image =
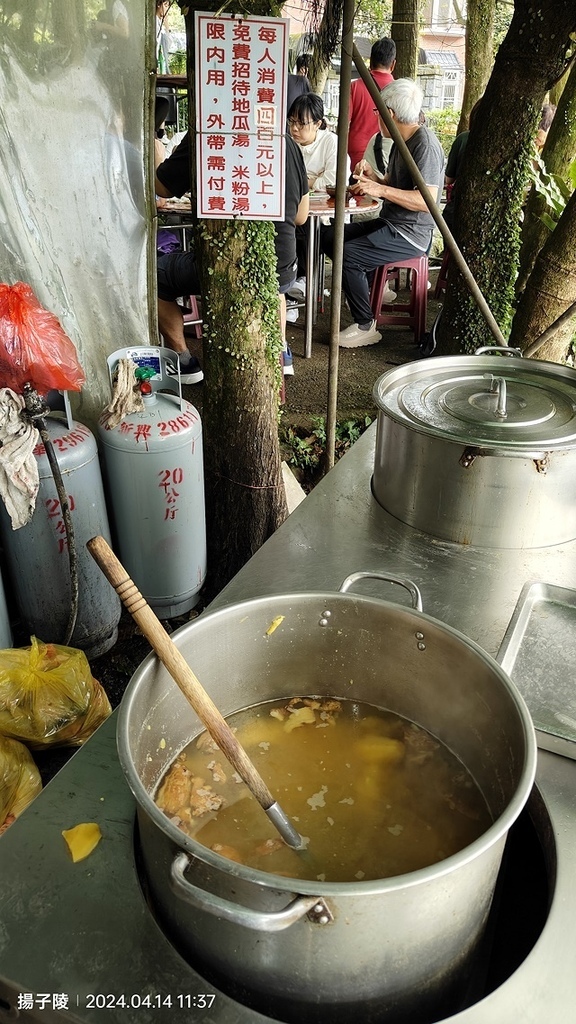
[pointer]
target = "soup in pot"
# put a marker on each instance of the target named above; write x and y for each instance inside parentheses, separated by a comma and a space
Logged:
(374, 794)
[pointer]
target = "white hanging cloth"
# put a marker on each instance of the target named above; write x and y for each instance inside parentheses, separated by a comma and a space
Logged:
(19, 478)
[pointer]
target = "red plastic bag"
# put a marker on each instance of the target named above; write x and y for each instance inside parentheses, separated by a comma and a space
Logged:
(33, 347)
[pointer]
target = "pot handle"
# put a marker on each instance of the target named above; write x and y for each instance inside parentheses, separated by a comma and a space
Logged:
(407, 584)
(502, 350)
(261, 921)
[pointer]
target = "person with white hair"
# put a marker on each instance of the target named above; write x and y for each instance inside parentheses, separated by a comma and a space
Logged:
(403, 229)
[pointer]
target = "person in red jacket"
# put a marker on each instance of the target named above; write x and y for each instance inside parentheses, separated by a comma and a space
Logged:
(363, 122)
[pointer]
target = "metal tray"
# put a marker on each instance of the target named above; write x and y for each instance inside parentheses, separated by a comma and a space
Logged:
(539, 654)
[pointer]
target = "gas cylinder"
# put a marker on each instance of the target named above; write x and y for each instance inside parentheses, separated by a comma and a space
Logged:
(153, 468)
(37, 554)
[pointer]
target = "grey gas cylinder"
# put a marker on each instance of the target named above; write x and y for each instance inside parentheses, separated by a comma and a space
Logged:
(153, 468)
(37, 554)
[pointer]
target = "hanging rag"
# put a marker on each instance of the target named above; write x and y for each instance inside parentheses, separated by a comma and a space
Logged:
(19, 478)
(126, 398)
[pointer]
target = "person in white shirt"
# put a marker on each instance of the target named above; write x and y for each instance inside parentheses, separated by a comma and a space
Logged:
(319, 147)
(112, 22)
(162, 36)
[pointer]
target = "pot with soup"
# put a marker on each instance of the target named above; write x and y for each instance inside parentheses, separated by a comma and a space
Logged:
(402, 753)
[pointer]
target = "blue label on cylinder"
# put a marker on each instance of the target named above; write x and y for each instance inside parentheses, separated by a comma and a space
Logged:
(145, 360)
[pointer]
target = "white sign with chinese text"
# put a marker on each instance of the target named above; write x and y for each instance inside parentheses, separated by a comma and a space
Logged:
(241, 83)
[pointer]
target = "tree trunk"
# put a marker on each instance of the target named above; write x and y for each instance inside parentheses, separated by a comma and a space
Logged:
(479, 55)
(245, 496)
(557, 89)
(494, 175)
(245, 499)
(404, 32)
(324, 22)
(551, 288)
(558, 152)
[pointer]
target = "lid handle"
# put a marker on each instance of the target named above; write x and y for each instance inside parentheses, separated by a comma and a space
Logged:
(500, 349)
(498, 386)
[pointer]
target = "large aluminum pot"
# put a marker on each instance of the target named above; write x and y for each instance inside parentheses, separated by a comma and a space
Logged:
(479, 449)
(389, 950)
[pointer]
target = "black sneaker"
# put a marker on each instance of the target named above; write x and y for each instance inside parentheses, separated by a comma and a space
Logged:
(190, 373)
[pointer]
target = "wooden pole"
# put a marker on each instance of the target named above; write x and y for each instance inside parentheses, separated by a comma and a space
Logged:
(431, 203)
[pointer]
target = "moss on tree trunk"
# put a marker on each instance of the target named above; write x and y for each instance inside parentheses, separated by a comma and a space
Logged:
(551, 288)
(494, 176)
(559, 151)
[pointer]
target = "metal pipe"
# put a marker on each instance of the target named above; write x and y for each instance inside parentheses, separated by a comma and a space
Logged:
(36, 409)
(338, 251)
(549, 333)
(447, 235)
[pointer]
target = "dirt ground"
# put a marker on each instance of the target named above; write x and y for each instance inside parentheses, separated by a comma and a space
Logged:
(358, 369)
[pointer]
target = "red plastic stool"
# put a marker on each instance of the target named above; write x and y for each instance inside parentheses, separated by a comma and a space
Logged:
(408, 314)
(192, 316)
(442, 279)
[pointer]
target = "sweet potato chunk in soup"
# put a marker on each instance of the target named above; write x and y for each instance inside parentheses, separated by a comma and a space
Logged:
(375, 794)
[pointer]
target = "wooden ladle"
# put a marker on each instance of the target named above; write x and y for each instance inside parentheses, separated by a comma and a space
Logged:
(191, 687)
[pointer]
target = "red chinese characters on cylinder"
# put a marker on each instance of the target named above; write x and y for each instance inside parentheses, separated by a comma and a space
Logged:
(171, 481)
(38, 553)
(155, 480)
(54, 513)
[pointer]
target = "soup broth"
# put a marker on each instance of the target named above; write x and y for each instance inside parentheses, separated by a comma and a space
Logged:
(375, 794)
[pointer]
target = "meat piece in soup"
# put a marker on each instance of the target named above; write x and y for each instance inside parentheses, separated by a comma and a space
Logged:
(375, 794)
(185, 795)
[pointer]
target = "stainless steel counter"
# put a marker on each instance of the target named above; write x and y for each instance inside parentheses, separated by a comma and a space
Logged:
(80, 929)
(340, 528)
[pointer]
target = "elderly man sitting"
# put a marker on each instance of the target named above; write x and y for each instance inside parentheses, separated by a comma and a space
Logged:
(403, 229)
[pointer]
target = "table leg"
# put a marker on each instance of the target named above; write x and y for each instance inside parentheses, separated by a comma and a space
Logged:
(310, 285)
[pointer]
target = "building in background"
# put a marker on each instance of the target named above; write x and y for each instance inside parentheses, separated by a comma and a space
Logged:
(442, 54)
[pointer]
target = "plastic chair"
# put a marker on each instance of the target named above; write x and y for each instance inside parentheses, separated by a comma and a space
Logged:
(408, 314)
(192, 316)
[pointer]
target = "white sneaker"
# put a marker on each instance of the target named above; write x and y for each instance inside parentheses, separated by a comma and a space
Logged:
(353, 337)
(287, 363)
(298, 289)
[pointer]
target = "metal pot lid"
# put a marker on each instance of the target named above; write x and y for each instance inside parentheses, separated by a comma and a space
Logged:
(487, 401)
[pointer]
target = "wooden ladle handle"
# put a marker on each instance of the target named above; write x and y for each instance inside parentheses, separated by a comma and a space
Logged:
(179, 669)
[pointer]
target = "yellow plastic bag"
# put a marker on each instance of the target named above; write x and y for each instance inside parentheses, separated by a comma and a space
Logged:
(48, 696)
(19, 780)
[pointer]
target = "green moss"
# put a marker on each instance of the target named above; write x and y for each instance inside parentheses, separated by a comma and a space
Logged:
(242, 291)
(492, 254)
